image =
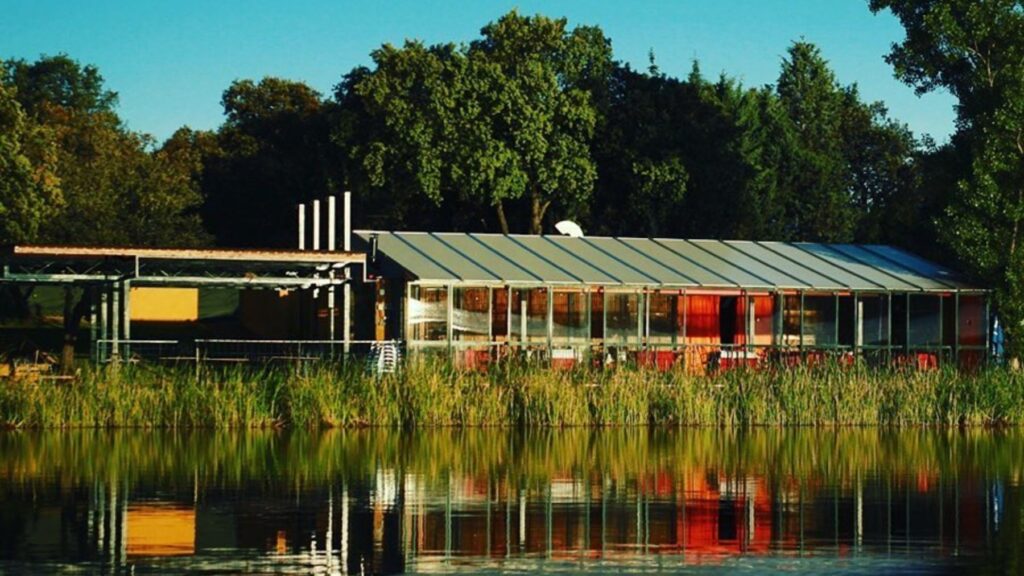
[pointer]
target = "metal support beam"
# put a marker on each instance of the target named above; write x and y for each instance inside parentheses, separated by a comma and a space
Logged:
(115, 319)
(126, 315)
(346, 300)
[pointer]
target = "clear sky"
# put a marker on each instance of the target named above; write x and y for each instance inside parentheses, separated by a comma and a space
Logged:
(170, 61)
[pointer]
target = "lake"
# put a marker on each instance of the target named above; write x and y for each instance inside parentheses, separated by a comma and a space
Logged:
(616, 500)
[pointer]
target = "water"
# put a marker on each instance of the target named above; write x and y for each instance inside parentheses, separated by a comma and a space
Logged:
(604, 501)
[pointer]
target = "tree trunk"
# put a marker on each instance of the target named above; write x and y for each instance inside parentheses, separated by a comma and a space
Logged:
(502, 221)
(537, 210)
(73, 314)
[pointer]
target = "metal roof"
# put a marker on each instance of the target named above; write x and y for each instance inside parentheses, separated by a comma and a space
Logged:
(173, 266)
(660, 262)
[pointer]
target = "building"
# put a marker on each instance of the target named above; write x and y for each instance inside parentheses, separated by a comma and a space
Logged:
(697, 304)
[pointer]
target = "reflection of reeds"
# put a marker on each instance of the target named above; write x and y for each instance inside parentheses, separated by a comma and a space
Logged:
(297, 459)
(432, 393)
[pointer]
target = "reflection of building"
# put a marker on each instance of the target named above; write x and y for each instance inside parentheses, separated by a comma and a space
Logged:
(390, 520)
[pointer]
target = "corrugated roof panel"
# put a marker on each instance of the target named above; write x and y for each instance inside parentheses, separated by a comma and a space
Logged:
(715, 264)
(644, 258)
(854, 266)
(535, 263)
(465, 268)
(740, 258)
(597, 254)
(847, 279)
(412, 259)
(808, 275)
(566, 260)
(490, 258)
(919, 265)
(477, 249)
(890, 268)
(683, 268)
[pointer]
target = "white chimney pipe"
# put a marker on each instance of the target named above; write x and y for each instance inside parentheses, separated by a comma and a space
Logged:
(302, 226)
(331, 224)
(316, 225)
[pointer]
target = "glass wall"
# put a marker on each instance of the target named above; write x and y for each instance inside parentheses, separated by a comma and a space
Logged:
(428, 313)
(666, 321)
(529, 315)
(622, 318)
(925, 329)
(471, 314)
(569, 317)
(874, 320)
(791, 321)
(819, 320)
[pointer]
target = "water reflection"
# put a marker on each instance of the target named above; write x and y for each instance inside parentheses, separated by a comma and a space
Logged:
(380, 501)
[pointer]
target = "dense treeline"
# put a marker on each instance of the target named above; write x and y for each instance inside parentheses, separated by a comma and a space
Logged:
(534, 122)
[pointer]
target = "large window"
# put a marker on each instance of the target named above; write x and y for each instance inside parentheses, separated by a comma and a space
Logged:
(820, 316)
(428, 313)
(470, 314)
(666, 322)
(622, 318)
(529, 317)
(925, 320)
(569, 315)
(874, 320)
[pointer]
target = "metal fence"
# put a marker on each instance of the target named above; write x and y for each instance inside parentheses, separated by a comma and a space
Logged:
(386, 355)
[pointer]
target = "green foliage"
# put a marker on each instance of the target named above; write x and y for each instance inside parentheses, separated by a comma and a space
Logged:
(976, 51)
(272, 152)
(95, 181)
(29, 187)
(504, 119)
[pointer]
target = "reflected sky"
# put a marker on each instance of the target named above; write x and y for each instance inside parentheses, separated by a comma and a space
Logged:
(634, 500)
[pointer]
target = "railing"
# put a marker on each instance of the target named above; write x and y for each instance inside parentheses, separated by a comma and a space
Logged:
(693, 357)
(238, 350)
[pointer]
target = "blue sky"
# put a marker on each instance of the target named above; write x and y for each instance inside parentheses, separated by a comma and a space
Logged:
(171, 61)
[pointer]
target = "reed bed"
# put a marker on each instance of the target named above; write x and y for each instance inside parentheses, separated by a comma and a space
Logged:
(434, 393)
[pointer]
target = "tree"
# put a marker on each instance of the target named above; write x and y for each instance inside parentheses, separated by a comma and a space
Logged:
(976, 51)
(818, 203)
(58, 81)
(29, 186)
(507, 118)
(271, 153)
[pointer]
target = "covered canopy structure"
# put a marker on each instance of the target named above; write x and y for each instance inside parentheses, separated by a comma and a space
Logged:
(698, 303)
(107, 276)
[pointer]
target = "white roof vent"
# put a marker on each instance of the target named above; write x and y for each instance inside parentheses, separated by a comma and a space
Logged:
(569, 228)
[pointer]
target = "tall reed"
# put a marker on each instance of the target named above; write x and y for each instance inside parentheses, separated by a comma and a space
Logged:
(429, 393)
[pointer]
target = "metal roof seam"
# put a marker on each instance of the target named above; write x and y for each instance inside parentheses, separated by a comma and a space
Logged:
(651, 258)
(514, 240)
(767, 282)
(802, 284)
(621, 261)
(839, 283)
(399, 237)
(796, 245)
(833, 248)
(728, 263)
(869, 248)
(490, 249)
(494, 275)
(577, 257)
(695, 263)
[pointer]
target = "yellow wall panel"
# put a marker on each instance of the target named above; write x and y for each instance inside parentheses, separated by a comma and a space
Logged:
(165, 304)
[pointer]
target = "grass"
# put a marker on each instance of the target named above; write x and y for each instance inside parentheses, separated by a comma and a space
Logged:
(433, 394)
